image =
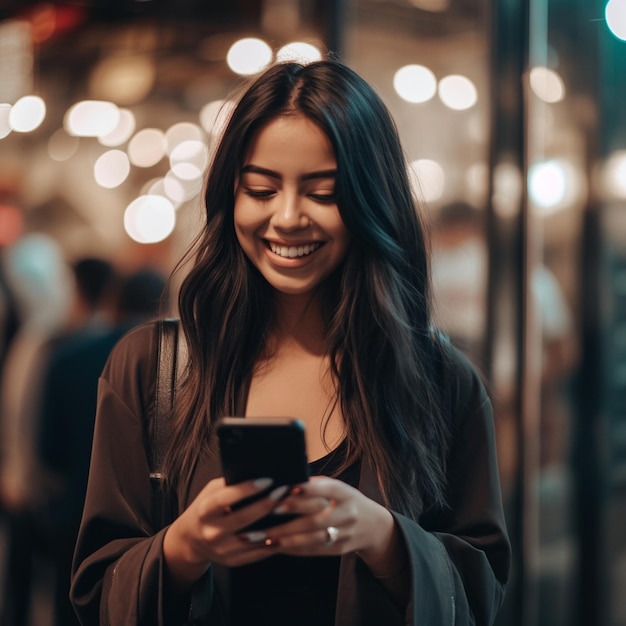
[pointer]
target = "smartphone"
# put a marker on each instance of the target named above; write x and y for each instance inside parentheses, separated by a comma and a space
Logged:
(263, 447)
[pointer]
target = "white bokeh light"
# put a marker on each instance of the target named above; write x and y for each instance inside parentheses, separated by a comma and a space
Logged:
(91, 118)
(182, 132)
(149, 219)
(156, 187)
(615, 15)
(5, 127)
(415, 83)
(614, 175)
(428, 179)
(547, 84)
(147, 147)
(111, 169)
(181, 183)
(298, 51)
(546, 183)
(248, 56)
(122, 131)
(556, 184)
(457, 92)
(215, 115)
(27, 114)
(192, 152)
(507, 189)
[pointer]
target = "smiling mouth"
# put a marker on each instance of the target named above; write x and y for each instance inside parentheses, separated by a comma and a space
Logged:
(292, 252)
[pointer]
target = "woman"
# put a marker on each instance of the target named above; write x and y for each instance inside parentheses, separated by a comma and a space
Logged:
(308, 297)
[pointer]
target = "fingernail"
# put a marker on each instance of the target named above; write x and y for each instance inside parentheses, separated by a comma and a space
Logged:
(280, 509)
(278, 493)
(255, 536)
(262, 483)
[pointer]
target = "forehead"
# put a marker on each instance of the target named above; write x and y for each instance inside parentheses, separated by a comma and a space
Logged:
(290, 138)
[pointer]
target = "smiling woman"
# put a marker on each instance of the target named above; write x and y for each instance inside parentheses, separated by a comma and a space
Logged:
(308, 297)
(286, 215)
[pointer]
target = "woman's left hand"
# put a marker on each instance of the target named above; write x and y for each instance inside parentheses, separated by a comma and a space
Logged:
(334, 518)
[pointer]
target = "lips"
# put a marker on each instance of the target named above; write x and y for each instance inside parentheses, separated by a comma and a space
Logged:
(292, 252)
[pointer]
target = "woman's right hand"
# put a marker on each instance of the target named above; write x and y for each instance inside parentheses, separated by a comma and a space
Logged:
(206, 532)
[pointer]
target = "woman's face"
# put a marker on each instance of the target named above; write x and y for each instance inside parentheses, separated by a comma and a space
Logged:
(286, 216)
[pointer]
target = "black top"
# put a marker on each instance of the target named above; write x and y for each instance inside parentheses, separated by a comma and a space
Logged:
(303, 591)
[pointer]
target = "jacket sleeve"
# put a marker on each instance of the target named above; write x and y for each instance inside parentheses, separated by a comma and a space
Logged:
(119, 574)
(459, 555)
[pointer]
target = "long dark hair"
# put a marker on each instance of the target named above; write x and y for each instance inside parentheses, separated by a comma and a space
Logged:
(376, 303)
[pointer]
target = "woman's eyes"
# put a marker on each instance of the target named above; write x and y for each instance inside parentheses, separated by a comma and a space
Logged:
(262, 194)
(324, 198)
(268, 194)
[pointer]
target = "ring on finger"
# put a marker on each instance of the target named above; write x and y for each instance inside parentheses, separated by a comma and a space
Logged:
(332, 533)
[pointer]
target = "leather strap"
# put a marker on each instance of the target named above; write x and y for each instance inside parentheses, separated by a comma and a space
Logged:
(165, 392)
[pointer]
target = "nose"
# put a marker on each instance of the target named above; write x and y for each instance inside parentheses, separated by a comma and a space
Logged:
(288, 213)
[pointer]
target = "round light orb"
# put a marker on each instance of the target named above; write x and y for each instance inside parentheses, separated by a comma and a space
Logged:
(27, 114)
(457, 92)
(299, 52)
(147, 147)
(149, 219)
(111, 169)
(415, 83)
(249, 56)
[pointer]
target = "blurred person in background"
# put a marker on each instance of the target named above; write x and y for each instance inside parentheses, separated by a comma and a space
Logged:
(67, 413)
(95, 280)
(9, 318)
(41, 283)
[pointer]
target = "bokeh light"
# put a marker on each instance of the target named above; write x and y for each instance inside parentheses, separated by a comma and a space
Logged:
(91, 118)
(615, 14)
(614, 175)
(5, 127)
(125, 79)
(122, 132)
(156, 187)
(457, 92)
(111, 169)
(192, 152)
(248, 56)
(428, 179)
(180, 133)
(27, 114)
(415, 83)
(298, 51)
(215, 115)
(147, 147)
(546, 183)
(556, 184)
(547, 84)
(182, 183)
(149, 219)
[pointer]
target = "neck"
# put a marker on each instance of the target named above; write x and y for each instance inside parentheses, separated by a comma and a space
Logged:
(299, 324)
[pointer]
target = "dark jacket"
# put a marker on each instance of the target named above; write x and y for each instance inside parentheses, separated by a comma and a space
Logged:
(459, 555)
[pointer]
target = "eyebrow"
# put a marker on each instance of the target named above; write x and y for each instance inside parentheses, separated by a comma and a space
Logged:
(255, 169)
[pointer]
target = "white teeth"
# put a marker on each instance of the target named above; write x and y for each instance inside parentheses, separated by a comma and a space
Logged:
(293, 251)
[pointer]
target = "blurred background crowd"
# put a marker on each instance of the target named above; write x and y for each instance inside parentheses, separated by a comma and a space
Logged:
(512, 118)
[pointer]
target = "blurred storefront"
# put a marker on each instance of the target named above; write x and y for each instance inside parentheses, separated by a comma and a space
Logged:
(512, 116)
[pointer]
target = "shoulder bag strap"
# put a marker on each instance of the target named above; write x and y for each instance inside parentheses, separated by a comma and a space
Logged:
(165, 390)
